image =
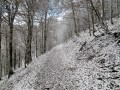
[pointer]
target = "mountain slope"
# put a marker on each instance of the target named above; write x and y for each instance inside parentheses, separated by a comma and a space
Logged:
(83, 63)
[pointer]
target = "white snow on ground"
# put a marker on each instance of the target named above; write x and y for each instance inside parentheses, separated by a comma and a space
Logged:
(82, 63)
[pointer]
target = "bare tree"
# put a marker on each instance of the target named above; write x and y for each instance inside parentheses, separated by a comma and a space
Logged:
(103, 9)
(111, 11)
(0, 40)
(118, 2)
(30, 10)
(30, 15)
(103, 25)
(74, 18)
(46, 4)
(12, 9)
(93, 22)
(36, 42)
(45, 31)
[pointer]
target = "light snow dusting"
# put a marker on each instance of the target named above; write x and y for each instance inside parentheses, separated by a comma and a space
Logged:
(82, 63)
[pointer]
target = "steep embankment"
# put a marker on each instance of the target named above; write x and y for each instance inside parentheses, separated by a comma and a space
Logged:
(84, 63)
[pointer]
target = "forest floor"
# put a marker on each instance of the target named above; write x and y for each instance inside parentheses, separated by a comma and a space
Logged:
(82, 63)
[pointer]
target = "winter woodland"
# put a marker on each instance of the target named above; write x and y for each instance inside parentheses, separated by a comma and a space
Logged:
(59, 44)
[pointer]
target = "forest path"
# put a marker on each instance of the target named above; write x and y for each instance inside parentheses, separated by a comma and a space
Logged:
(56, 69)
(53, 70)
(67, 68)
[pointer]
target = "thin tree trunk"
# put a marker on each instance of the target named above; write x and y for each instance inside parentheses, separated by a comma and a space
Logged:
(11, 49)
(7, 54)
(5, 68)
(103, 9)
(42, 45)
(111, 12)
(118, 8)
(20, 62)
(42, 41)
(93, 22)
(74, 19)
(28, 56)
(45, 32)
(36, 44)
(89, 24)
(15, 59)
(103, 25)
(0, 44)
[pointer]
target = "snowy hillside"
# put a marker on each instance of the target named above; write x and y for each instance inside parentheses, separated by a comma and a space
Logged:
(83, 63)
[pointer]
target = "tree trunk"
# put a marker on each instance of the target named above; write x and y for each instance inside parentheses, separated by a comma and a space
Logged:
(20, 62)
(89, 24)
(15, 59)
(103, 9)
(36, 45)
(11, 49)
(7, 54)
(28, 56)
(0, 44)
(42, 45)
(93, 22)
(118, 8)
(103, 25)
(111, 12)
(11, 16)
(45, 32)
(74, 19)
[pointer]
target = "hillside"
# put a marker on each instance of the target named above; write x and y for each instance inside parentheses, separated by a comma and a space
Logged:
(82, 63)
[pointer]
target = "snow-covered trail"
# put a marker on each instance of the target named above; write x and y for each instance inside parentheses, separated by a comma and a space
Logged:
(52, 70)
(67, 68)
(55, 69)
(58, 69)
